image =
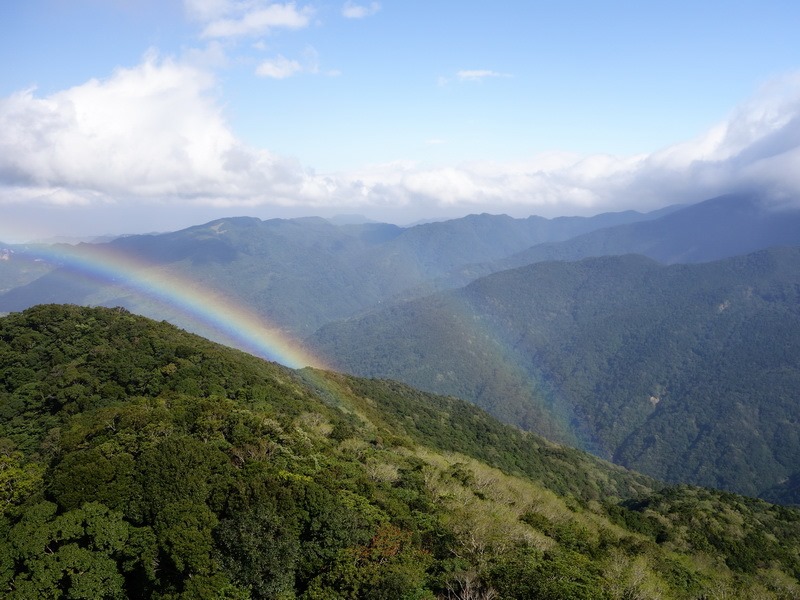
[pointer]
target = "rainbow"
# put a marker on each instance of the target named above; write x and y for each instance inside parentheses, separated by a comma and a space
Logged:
(210, 313)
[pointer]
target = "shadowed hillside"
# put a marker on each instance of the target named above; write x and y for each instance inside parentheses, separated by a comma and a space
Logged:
(687, 372)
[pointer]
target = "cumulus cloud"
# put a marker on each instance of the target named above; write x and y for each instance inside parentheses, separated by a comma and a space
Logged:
(756, 148)
(351, 10)
(156, 132)
(238, 18)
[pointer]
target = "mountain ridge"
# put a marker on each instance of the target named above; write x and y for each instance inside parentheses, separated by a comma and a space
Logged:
(301, 273)
(724, 226)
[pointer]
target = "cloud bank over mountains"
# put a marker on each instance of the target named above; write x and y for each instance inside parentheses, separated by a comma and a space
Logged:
(157, 134)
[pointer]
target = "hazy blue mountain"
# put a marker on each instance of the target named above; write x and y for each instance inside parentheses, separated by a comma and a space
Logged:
(683, 372)
(438, 248)
(718, 228)
(302, 273)
(18, 267)
(272, 266)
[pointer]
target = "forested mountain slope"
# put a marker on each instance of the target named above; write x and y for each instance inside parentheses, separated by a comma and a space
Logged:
(685, 372)
(296, 273)
(139, 461)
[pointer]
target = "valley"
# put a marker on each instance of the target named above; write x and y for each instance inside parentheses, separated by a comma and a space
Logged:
(365, 300)
(575, 349)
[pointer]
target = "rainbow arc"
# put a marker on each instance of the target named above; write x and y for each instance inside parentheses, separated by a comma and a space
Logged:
(209, 311)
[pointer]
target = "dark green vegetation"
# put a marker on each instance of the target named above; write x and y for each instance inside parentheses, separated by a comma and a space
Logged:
(689, 373)
(137, 460)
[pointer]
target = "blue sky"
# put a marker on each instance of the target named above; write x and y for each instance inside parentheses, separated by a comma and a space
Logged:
(142, 115)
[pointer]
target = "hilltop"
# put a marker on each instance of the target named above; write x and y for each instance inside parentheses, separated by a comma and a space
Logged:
(155, 463)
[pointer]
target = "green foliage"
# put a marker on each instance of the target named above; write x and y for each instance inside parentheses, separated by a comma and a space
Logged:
(690, 375)
(451, 425)
(552, 576)
(19, 478)
(260, 546)
(118, 481)
(76, 554)
(386, 568)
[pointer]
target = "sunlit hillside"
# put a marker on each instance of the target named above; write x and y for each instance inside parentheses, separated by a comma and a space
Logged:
(142, 461)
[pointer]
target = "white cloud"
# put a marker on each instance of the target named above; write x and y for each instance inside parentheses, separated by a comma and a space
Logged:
(279, 67)
(757, 147)
(156, 133)
(351, 10)
(153, 131)
(208, 10)
(231, 19)
(224, 20)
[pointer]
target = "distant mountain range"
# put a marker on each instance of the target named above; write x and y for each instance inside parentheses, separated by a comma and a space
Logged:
(718, 228)
(652, 366)
(19, 266)
(301, 273)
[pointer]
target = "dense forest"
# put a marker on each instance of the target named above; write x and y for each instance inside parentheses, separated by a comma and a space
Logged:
(688, 373)
(140, 461)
